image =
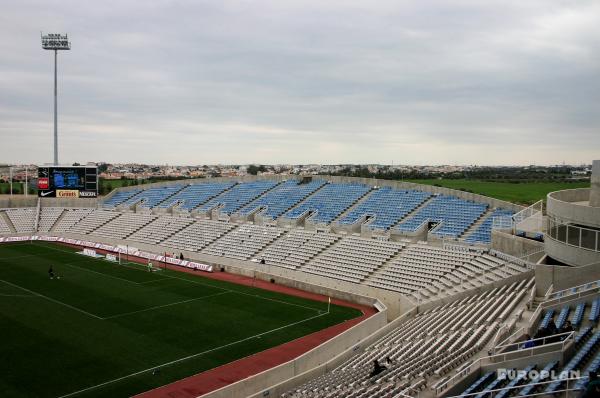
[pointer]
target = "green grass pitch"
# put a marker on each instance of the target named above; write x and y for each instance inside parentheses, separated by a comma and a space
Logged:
(102, 321)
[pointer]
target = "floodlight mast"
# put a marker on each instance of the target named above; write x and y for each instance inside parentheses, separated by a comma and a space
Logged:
(55, 41)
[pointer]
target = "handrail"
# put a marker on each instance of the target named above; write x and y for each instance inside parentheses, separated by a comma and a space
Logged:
(497, 358)
(569, 289)
(493, 392)
(568, 336)
(518, 332)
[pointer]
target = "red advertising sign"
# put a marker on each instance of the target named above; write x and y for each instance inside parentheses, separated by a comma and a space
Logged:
(43, 183)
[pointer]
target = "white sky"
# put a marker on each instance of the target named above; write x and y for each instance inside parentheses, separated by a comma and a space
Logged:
(202, 82)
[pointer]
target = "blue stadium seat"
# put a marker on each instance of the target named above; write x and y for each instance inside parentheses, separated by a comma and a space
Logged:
(453, 215)
(578, 316)
(528, 389)
(238, 196)
(483, 233)
(151, 197)
(329, 202)
(282, 198)
(195, 194)
(387, 206)
(514, 383)
(120, 197)
(478, 383)
(580, 356)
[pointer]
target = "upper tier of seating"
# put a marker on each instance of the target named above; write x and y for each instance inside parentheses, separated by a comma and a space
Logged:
(151, 197)
(194, 195)
(120, 197)
(282, 198)
(483, 234)
(386, 206)
(238, 196)
(453, 215)
(329, 202)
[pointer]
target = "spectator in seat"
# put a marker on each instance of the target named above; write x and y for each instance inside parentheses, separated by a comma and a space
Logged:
(377, 368)
(567, 327)
(528, 342)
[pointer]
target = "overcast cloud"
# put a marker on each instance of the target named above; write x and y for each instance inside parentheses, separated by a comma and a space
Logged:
(205, 82)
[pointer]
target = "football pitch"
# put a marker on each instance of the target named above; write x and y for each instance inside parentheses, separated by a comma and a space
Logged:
(104, 329)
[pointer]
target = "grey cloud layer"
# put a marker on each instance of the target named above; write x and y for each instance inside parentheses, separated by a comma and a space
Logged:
(299, 82)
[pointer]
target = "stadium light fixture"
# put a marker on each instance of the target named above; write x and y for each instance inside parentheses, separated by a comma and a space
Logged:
(55, 41)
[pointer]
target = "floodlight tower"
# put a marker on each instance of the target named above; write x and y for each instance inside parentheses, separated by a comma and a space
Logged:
(55, 41)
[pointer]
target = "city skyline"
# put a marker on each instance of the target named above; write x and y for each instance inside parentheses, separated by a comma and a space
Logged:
(457, 83)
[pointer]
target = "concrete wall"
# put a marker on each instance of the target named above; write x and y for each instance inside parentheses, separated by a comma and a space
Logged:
(514, 245)
(563, 205)
(562, 277)
(568, 254)
(7, 201)
(595, 188)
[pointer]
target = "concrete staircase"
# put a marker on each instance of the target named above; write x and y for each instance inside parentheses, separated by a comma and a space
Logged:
(8, 222)
(488, 213)
(58, 220)
(412, 213)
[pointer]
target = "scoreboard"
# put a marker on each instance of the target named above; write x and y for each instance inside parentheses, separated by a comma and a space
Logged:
(68, 182)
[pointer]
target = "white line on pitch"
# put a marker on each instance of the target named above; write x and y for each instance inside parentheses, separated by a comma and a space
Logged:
(190, 356)
(53, 300)
(163, 306)
(235, 291)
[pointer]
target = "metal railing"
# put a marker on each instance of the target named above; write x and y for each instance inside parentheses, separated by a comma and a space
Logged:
(573, 235)
(498, 358)
(571, 381)
(575, 289)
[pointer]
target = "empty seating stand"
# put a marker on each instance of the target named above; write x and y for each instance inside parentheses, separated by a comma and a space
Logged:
(243, 242)
(149, 198)
(296, 247)
(23, 219)
(238, 196)
(48, 217)
(120, 197)
(483, 233)
(194, 195)
(353, 259)
(282, 198)
(386, 206)
(453, 215)
(329, 202)
(198, 235)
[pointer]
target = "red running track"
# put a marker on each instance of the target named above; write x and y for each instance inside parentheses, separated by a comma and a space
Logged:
(213, 379)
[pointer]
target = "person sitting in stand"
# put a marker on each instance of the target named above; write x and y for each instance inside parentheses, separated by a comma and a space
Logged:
(528, 343)
(567, 328)
(377, 368)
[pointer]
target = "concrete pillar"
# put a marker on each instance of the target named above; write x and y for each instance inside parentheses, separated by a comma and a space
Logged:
(595, 191)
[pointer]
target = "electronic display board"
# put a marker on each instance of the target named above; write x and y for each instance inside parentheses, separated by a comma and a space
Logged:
(68, 182)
